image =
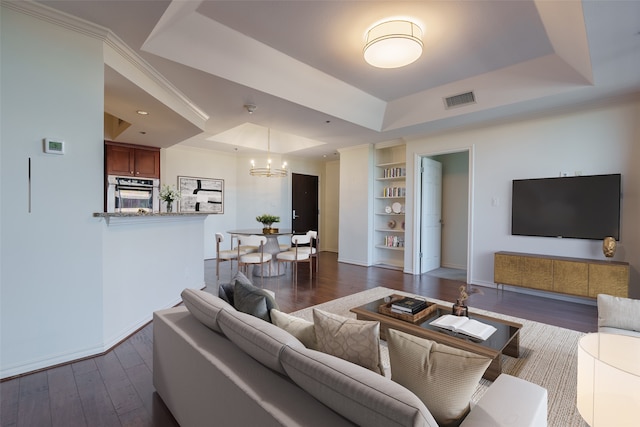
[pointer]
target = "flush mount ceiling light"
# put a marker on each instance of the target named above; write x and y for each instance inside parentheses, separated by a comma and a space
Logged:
(393, 44)
(268, 171)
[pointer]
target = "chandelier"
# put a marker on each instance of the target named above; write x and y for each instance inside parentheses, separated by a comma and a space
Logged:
(268, 171)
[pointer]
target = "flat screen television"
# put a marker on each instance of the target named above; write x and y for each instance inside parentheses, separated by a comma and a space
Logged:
(579, 207)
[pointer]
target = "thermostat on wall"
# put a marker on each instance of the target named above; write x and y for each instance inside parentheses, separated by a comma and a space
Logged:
(53, 146)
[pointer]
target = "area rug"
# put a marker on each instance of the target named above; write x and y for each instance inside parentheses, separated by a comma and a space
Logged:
(548, 355)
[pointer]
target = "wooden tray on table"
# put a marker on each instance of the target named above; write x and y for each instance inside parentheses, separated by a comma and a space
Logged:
(412, 318)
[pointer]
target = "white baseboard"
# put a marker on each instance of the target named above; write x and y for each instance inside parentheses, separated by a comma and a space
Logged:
(354, 262)
(536, 292)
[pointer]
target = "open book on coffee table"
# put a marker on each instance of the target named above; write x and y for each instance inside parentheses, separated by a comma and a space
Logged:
(464, 325)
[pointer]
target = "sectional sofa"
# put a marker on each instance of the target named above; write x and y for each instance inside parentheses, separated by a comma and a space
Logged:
(215, 365)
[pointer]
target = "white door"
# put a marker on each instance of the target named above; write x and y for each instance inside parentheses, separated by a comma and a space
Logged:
(431, 215)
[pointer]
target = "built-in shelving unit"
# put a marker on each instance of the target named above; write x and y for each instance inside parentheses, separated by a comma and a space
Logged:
(389, 206)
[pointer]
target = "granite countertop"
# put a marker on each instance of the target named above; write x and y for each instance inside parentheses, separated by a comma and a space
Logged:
(145, 214)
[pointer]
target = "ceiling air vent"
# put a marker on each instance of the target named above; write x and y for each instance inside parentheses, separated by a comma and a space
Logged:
(460, 100)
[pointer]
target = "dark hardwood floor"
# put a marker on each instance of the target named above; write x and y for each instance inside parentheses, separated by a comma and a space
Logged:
(116, 389)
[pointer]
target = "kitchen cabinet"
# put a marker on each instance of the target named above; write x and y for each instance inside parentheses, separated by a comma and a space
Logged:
(572, 276)
(132, 160)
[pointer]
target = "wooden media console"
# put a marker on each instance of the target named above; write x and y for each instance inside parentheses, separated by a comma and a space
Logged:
(572, 276)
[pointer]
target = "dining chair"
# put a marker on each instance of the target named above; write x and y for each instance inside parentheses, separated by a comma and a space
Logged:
(284, 246)
(312, 249)
(296, 255)
(253, 258)
(244, 249)
(223, 255)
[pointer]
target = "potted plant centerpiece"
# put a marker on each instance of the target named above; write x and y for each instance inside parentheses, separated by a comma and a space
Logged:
(267, 220)
(169, 194)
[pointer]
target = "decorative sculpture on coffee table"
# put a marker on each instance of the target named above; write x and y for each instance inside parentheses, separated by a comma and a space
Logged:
(460, 307)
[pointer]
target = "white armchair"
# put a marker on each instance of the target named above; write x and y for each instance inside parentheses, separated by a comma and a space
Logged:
(617, 315)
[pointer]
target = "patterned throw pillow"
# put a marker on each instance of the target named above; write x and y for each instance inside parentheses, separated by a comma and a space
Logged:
(299, 328)
(357, 341)
(443, 377)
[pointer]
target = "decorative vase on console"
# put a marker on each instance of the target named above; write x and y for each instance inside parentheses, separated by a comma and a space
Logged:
(609, 247)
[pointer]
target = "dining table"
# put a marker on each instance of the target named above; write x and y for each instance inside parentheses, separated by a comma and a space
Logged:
(272, 246)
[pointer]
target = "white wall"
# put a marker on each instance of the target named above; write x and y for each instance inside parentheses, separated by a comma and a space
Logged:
(356, 204)
(65, 292)
(245, 196)
(598, 140)
(187, 161)
(51, 258)
(330, 205)
(148, 262)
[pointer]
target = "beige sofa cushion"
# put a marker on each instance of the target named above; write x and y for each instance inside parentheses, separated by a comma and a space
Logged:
(362, 396)
(357, 341)
(258, 338)
(299, 328)
(618, 312)
(443, 377)
(205, 307)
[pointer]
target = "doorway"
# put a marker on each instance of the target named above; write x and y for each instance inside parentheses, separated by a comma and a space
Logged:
(304, 203)
(452, 237)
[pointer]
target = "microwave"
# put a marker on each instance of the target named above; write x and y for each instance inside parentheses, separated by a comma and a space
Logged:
(127, 194)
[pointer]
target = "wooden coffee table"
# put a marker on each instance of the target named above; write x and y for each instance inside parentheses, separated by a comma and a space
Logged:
(505, 340)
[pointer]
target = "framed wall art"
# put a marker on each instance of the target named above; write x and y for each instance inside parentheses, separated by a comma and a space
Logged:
(201, 194)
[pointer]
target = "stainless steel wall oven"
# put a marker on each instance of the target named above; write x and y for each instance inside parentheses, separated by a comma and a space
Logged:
(131, 195)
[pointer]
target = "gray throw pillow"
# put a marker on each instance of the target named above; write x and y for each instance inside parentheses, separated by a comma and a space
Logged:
(225, 292)
(240, 277)
(252, 300)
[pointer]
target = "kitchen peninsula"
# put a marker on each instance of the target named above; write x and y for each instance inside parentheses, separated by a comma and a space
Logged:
(148, 259)
(142, 215)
